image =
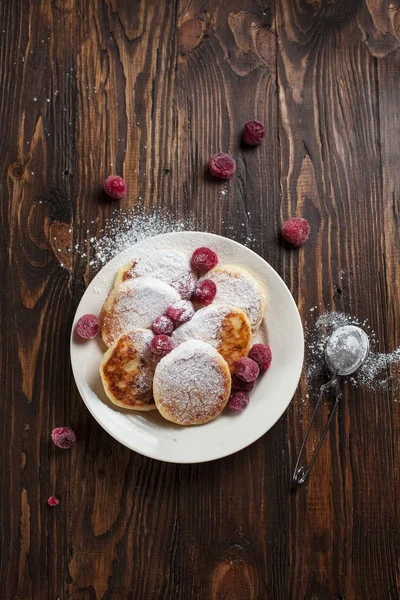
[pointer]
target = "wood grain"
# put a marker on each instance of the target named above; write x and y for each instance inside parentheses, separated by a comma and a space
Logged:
(149, 89)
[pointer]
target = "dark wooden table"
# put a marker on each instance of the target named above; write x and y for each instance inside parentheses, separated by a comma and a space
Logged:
(176, 80)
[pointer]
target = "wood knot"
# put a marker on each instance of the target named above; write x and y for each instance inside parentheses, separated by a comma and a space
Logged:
(190, 34)
(16, 171)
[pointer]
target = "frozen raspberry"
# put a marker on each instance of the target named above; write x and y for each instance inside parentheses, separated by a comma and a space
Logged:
(53, 501)
(253, 132)
(204, 259)
(246, 369)
(88, 327)
(296, 231)
(115, 187)
(204, 292)
(163, 325)
(63, 437)
(238, 401)
(241, 386)
(222, 165)
(185, 286)
(261, 354)
(181, 311)
(161, 344)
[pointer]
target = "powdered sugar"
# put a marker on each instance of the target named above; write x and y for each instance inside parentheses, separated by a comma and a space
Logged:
(166, 265)
(239, 288)
(204, 326)
(380, 370)
(135, 304)
(190, 384)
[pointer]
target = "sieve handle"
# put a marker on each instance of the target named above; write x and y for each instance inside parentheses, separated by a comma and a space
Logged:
(300, 474)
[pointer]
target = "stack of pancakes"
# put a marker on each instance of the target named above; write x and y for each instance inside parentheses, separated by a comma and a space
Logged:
(191, 385)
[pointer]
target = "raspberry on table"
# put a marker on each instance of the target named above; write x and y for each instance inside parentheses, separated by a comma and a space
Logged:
(247, 369)
(238, 401)
(185, 286)
(163, 325)
(115, 187)
(296, 231)
(87, 327)
(181, 311)
(63, 437)
(162, 344)
(53, 501)
(253, 132)
(222, 165)
(241, 386)
(204, 259)
(261, 354)
(204, 292)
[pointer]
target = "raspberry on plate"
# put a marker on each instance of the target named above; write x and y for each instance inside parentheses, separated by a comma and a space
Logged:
(181, 311)
(222, 165)
(204, 259)
(87, 327)
(204, 292)
(63, 437)
(162, 344)
(185, 286)
(247, 369)
(238, 401)
(241, 386)
(253, 132)
(115, 187)
(261, 354)
(163, 325)
(296, 231)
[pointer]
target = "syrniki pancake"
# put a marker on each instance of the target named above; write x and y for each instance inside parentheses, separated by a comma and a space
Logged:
(238, 287)
(192, 384)
(226, 328)
(134, 304)
(127, 371)
(169, 266)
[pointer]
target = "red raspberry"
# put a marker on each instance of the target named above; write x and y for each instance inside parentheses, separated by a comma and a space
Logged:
(163, 325)
(253, 132)
(204, 259)
(87, 327)
(241, 386)
(181, 311)
(185, 286)
(53, 501)
(115, 187)
(261, 354)
(246, 369)
(63, 437)
(238, 401)
(204, 292)
(296, 231)
(161, 344)
(222, 165)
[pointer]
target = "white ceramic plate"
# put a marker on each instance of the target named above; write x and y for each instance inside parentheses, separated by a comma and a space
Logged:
(148, 433)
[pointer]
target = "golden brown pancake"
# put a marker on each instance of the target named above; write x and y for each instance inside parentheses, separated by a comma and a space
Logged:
(127, 371)
(134, 304)
(225, 327)
(192, 384)
(237, 287)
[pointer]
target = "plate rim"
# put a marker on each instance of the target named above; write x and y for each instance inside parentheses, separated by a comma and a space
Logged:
(223, 454)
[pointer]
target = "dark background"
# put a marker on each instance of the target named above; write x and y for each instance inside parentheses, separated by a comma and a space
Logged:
(324, 77)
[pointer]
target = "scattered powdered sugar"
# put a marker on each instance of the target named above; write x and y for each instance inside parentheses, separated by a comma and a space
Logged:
(135, 304)
(380, 370)
(238, 288)
(128, 228)
(190, 384)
